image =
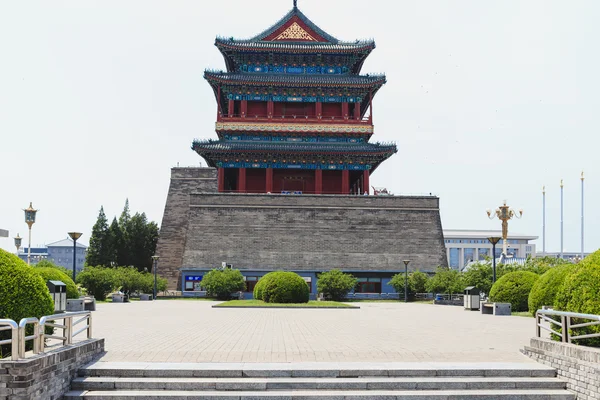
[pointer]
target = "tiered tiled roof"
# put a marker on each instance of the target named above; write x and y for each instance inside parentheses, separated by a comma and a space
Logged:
(283, 147)
(295, 80)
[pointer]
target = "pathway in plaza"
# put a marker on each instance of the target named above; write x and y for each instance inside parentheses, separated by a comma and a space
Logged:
(193, 331)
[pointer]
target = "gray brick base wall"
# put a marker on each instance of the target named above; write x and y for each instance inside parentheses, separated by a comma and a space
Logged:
(579, 366)
(173, 229)
(202, 229)
(47, 376)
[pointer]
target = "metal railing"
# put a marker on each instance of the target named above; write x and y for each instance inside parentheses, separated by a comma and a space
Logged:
(350, 119)
(567, 324)
(73, 324)
(10, 325)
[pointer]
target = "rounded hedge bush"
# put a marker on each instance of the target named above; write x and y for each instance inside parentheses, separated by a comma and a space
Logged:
(259, 287)
(514, 288)
(579, 293)
(53, 274)
(284, 287)
(23, 293)
(546, 288)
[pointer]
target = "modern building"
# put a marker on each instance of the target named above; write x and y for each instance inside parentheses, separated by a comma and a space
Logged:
(287, 186)
(465, 246)
(60, 253)
(570, 255)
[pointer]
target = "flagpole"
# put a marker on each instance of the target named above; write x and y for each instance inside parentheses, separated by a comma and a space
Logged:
(561, 219)
(544, 221)
(582, 214)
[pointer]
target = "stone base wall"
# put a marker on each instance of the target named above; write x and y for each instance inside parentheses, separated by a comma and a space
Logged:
(579, 366)
(46, 376)
(202, 228)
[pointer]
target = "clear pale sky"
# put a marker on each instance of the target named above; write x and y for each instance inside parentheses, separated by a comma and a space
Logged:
(486, 100)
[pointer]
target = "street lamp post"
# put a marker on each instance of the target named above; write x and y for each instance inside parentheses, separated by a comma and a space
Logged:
(30, 214)
(18, 241)
(74, 236)
(406, 280)
(504, 214)
(155, 262)
(494, 240)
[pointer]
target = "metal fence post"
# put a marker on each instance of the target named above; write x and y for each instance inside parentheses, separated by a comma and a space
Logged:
(563, 326)
(14, 343)
(566, 328)
(538, 329)
(68, 332)
(89, 330)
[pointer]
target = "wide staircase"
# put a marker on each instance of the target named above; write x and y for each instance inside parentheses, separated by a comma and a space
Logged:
(331, 381)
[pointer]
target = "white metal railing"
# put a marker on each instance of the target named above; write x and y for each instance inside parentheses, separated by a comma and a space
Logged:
(567, 323)
(73, 324)
(10, 325)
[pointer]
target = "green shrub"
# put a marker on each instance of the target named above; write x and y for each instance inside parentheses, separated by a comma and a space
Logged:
(417, 282)
(335, 284)
(54, 274)
(98, 281)
(445, 281)
(480, 275)
(514, 288)
(50, 264)
(221, 283)
(259, 287)
(579, 293)
(284, 287)
(546, 288)
(23, 294)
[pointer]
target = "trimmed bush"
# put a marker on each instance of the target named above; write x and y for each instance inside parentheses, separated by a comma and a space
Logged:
(50, 264)
(335, 284)
(579, 293)
(260, 286)
(546, 288)
(23, 294)
(514, 288)
(284, 287)
(53, 274)
(98, 281)
(221, 283)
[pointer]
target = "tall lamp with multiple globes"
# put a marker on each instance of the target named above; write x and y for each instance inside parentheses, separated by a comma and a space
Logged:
(494, 241)
(18, 241)
(30, 214)
(155, 265)
(406, 280)
(74, 236)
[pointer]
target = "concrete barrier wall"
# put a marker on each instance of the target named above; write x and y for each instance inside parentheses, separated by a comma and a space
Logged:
(578, 365)
(46, 376)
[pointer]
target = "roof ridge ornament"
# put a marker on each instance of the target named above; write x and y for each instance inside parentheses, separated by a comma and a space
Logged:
(295, 3)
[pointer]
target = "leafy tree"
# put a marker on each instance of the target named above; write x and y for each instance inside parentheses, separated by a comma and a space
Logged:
(221, 283)
(97, 253)
(446, 281)
(335, 284)
(98, 281)
(480, 275)
(418, 281)
(141, 240)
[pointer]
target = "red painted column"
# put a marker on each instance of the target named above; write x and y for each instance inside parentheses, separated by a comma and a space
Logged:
(366, 185)
(242, 180)
(345, 181)
(270, 108)
(319, 109)
(269, 185)
(244, 108)
(345, 110)
(357, 111)
(231, 108)
(221, 179)
(318, 181)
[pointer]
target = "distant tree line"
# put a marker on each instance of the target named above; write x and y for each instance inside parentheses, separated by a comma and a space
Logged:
(128, 241)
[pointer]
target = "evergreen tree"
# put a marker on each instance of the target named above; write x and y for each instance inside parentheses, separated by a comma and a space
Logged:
(115, 241)
(124, 256)
(141, 241)
(97, 253)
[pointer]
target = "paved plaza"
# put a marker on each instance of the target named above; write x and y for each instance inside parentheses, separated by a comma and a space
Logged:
(193, 331)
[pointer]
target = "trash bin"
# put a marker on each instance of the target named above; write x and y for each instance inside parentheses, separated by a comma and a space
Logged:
(472, 295)
(58, 291)
(439, 297)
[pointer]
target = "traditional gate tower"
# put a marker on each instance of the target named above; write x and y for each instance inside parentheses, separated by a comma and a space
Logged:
(294, 114)
(286, 178)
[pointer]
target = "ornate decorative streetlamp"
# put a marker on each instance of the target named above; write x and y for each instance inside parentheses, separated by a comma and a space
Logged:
(18, 241)
(30, 214)
(494, 240)
(155, 262)
(504, 214)
(406, 280)
(74, 236)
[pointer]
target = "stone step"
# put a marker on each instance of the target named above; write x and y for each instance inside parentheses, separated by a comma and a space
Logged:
(323, 395)
(366, 383)
(315, 370)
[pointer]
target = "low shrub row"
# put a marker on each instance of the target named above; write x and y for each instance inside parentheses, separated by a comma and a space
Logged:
(100, 281)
